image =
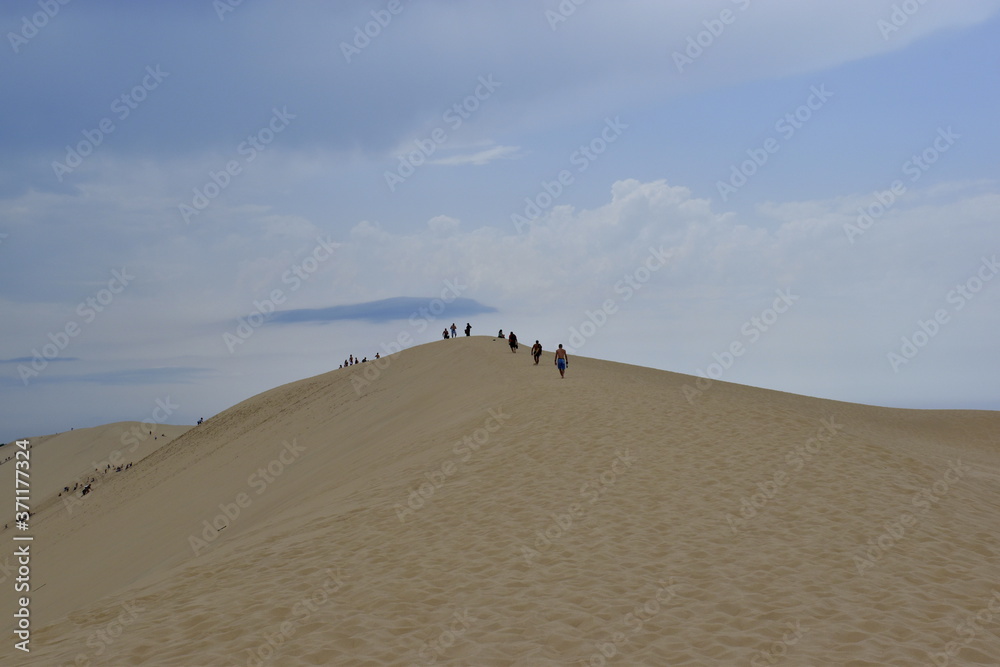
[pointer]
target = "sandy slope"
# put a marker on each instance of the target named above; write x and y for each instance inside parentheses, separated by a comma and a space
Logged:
(559, 519)
(64, 458)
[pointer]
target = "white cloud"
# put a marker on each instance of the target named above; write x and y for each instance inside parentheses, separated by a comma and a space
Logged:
(480, 158)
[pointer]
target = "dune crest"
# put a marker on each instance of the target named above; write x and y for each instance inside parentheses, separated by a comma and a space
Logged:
(455, 504)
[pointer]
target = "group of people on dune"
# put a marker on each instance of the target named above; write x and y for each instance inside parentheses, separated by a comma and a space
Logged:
(454, 331)
(561, 358)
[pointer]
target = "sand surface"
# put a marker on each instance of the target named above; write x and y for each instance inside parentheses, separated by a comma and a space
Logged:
(62, 459)
(465, 507)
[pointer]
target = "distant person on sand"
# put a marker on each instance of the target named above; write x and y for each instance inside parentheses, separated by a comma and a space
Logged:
(445, 333)
(536, 351)
(454, 330)
(500, 335)
(562, 360)
(468, 329)
(513, 342)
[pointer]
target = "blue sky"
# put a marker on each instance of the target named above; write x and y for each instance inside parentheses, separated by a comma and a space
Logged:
(173, 170)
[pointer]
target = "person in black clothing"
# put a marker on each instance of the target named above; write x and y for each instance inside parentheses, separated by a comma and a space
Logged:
(512, 339)
(536, 351)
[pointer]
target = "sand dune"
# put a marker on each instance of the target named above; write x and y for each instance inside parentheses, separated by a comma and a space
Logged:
(462, 506)
(64, 458)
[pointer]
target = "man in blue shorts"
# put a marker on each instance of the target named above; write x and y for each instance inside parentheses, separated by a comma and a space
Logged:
(562, 361)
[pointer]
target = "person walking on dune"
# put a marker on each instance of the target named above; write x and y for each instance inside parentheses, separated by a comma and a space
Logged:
(512, 339)
(536, 351)
(562, 361)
